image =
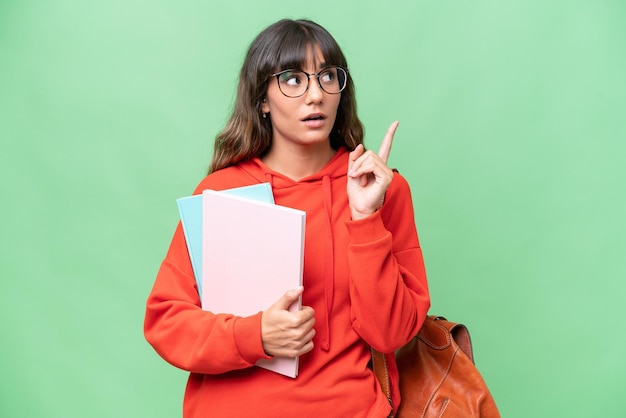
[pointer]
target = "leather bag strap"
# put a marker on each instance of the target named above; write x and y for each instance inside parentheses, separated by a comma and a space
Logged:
(379, 366)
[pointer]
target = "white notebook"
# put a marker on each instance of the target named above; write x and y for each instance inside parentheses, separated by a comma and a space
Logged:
(252, 254)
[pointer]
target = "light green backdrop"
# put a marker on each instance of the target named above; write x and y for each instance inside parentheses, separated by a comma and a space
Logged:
(511, 136)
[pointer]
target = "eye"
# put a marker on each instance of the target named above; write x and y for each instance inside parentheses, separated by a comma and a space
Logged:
(291, 78)
(328, 76)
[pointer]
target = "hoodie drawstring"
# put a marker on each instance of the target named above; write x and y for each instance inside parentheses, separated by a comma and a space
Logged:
(329, 267)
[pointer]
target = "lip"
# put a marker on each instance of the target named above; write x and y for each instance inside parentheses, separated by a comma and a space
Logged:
(314, 120)
(314, 117)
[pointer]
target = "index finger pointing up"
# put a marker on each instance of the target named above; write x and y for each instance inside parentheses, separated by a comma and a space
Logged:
(385, 147)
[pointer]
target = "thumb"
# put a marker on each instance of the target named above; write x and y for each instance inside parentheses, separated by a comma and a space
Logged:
(354, 155)
(288, 298)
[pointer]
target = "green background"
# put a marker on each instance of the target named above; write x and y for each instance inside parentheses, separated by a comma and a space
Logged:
(512, 138)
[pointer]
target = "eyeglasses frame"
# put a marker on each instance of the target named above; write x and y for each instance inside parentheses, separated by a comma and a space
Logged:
(308, 78)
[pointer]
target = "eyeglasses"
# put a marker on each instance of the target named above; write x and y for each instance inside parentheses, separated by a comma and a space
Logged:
(294, 83)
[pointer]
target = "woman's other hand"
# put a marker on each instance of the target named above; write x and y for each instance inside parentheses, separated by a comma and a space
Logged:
(286, 333)
(369, 176)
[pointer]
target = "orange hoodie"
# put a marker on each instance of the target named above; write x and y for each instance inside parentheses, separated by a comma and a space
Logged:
(365, 279)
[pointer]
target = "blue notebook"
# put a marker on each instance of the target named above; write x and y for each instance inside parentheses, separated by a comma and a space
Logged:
(190, 209)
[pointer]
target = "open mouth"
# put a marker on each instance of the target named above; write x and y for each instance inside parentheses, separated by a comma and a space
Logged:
(313, 117)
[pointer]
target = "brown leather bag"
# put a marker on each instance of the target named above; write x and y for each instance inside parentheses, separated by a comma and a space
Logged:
(438, 377)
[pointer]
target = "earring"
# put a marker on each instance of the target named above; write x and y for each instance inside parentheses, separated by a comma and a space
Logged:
(264, 115)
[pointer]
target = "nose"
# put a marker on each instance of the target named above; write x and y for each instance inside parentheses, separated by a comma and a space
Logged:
(314, 93)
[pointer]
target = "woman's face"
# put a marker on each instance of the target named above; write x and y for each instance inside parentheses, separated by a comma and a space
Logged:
(307, 119)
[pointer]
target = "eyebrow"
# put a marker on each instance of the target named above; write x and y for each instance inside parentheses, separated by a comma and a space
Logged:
(320, 66)
(301, 68)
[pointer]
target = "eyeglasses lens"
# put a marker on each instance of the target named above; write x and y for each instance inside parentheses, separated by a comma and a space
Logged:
(295, 83)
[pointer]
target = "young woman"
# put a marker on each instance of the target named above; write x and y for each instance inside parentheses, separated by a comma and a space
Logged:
(295, 125)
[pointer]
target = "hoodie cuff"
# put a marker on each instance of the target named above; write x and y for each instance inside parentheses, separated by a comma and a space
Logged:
(248, 338)
(367, 229)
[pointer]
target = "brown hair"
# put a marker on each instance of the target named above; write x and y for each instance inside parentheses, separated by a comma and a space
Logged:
(280, 46)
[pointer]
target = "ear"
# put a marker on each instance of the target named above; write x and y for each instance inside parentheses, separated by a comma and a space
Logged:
(265, 107)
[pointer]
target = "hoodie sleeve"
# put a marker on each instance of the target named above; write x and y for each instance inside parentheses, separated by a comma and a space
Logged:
(187, 336)
(388, 286)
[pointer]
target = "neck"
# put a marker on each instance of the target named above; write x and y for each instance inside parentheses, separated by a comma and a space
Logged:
(299, 162)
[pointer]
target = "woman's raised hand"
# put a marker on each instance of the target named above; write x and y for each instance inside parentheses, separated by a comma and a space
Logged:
(369, 176)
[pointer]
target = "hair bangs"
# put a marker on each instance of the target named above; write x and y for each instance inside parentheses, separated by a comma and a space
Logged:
(297, 44)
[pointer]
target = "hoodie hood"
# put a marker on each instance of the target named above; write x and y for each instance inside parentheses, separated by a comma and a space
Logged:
(313, 194)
